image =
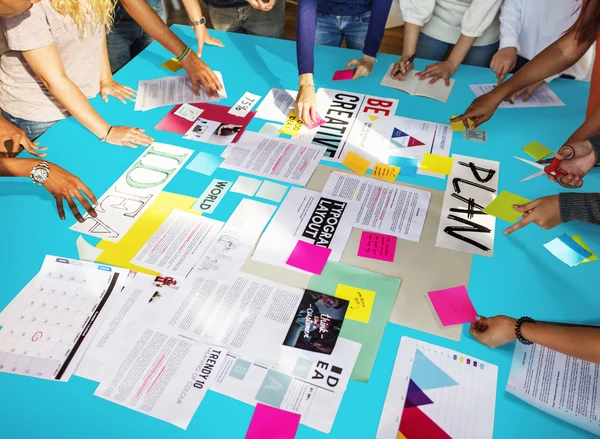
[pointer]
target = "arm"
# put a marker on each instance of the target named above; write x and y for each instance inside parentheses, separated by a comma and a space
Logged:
(590, 127)
(18, 137)
(197, 70)
(194, 13)
(505, 59)
(306, 25)
(108, 87)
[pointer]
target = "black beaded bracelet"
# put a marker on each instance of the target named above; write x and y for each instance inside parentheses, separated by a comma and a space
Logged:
(518, 329)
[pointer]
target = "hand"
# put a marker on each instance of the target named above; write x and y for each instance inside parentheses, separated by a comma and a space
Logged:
(494, 331)
(443, 69)
(128, 136)
(108, 87)
(503, 62)
(64, 186)
(260, 5)
(19, 138)
(545, 212)
(480, 110)
(199, 72)
(576, 167)
(401, 68)
(526, 92)
(364, 66)
(203, 37)
(306, 105)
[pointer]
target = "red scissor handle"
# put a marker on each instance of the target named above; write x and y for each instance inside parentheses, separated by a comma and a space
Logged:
(552, 169)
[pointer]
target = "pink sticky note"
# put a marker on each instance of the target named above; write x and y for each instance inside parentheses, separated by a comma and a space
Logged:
(453, 306)
(320, 121)
(377, 246)
(343, 75)
(309, 257)
(270, 422)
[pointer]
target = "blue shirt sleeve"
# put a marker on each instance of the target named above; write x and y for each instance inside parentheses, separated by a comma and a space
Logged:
(306, 25)
(379, 15)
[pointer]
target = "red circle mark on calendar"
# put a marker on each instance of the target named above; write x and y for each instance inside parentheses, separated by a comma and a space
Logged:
(37, 336)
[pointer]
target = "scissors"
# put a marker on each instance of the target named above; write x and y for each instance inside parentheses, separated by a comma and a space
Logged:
(550, 167)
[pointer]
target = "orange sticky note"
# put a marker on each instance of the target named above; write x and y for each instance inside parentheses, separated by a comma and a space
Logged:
(438, 164)
(459, 127)
(172, 65)
(382, 171)
(356, 163)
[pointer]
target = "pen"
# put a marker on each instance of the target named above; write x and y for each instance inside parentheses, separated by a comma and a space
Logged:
(411, 59)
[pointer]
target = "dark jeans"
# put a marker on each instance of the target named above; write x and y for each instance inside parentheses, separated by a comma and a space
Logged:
(332, 29)
(430, 48)
(247, 20)
(32, 128)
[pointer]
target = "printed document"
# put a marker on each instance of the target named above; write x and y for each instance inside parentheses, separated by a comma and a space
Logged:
(162, 376)
(562, 386)
(178, 243)
(277, 159)
(542, 97)
(387, 208)
(276, 105)
(412, 85)
(304, 215)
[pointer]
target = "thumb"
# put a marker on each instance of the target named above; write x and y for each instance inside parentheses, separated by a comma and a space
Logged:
(354, 62)
(476, 333)
(104, 96)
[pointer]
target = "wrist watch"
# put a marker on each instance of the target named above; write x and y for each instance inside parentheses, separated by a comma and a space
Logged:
(40, 174)
(197, 22)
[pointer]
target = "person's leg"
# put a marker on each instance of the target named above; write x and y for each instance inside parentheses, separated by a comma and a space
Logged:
(144, 39)
(120, 38)
(481, 55)
(328, 32)
(355, 30)
(32, 128)
(227, 19)
(430, 48)
(265, 24)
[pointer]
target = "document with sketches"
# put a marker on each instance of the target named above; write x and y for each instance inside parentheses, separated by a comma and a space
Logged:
(303, 382)
(172, 90)
(542, 97)
(304, 215)
(234, 243)
(558, 384)
(277, 159)
(178, 243)
(276, 105)
(412, 85)
(125, 201)
(137, 306)
(162, 376)
(387, 208)
(472, 185)
(47, 333)
(248, 315)
(342, 110)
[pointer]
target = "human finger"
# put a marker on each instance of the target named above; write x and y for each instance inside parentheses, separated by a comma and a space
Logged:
(214, 42)
(31, 147)
(88, 193)
(526, 207)
(503, 72)
(353, 62)
(313, 114)
(447, 81)
(74, 210)
(519, 225)
(59, 207)
(528, 93)
(85, 203)
(104, 95)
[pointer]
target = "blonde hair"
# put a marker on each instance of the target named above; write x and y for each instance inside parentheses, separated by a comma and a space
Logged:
(86, 13)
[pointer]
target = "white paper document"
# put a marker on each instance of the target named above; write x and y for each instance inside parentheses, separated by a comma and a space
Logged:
(162, 376)
(277, 159)
(86, 251)
(234, 243)
(172, 90)
(558, 384)
(202, 130)
(412, 85)
(46, 335)
(178, 243)
(542, 97)
(472, 185)
(127, 199)
(439, 391)
(247, 315)
(243, 106)
(303, 382)
(304, 215)
(387, 208)
(276, 105)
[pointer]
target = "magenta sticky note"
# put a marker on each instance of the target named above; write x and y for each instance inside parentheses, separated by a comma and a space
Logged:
(270, 422)
(453, 306)
(309, 257)
(377, 246)
(343, 75)
(320, 121)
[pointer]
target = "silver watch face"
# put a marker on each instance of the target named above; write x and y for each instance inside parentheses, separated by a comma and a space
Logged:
(40, 175)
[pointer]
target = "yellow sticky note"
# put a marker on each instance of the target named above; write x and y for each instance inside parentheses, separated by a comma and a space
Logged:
(400, 436)
(536, 150)
(438, 164)
(579, 241)
(458, 126)
(291, 125)
(120, 253)
(502, 206)
(356, 163)
(172, 65)
(381, 171)
(361, 302)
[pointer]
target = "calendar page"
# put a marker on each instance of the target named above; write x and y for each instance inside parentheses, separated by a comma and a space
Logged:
(54, 318)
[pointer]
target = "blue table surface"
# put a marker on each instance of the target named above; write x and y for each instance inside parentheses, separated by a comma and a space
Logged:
(521, 279)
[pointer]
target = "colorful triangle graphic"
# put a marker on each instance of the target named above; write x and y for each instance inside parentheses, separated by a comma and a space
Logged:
(417, 425)
(416, 397)
(426, 375)
(414, 142)
(373, 118)
(398, 133)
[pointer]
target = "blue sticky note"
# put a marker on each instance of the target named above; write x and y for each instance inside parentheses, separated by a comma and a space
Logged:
(567, 250)
(205, 163)
(408, 166)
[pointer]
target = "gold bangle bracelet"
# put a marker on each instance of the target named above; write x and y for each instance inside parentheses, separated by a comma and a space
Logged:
(307, 85)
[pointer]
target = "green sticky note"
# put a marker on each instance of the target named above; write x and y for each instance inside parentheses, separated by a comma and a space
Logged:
(536, 150)
(502, 206)
(368, 334)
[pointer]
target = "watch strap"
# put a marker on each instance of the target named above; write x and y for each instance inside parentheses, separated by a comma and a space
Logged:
(195, 23)
(43, 164)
